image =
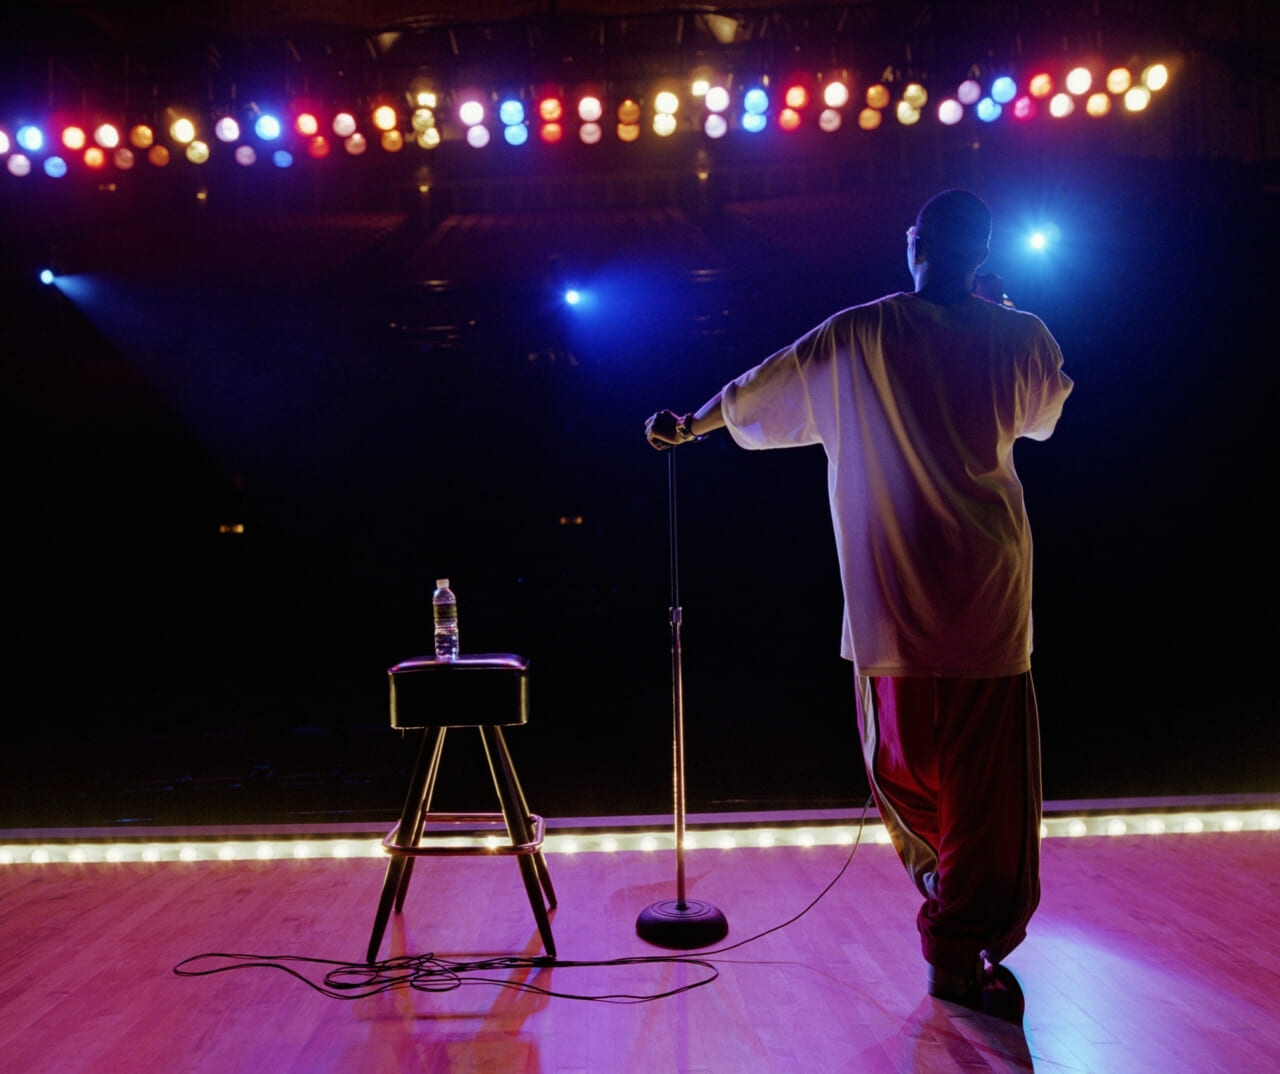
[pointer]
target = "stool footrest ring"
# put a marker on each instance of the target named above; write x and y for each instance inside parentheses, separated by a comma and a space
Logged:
(418, 851)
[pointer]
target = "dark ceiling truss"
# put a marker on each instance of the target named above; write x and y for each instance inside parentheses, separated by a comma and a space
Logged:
(61, 53)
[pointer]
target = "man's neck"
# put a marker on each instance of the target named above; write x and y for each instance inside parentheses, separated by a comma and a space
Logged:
(951, 293)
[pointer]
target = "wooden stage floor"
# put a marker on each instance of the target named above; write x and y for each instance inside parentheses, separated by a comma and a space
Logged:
(1155, 954)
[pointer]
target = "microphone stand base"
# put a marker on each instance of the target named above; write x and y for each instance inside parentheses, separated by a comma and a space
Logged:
(682, 925)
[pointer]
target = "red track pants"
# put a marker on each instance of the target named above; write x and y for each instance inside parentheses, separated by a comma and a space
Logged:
(954, 765)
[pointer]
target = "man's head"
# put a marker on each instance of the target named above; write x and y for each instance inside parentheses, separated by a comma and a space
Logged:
(952, 232)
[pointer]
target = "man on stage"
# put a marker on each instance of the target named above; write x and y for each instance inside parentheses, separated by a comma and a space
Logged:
(917, 399)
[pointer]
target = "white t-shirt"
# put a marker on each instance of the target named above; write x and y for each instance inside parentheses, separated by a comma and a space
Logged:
(918, 406)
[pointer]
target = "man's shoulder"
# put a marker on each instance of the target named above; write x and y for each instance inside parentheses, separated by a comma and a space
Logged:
(875, 308)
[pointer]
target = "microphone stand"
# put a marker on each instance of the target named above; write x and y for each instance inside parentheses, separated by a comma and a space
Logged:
(679, 923)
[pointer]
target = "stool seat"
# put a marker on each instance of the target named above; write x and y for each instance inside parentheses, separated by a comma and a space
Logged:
(433, 696)
(427, 692)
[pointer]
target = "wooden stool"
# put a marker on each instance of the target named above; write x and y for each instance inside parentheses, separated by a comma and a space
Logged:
(488, 692)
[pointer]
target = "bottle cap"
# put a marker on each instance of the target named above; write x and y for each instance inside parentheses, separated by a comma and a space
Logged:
(442, 583)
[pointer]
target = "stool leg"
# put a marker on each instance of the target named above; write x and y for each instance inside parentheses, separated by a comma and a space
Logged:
(419, 817)
(509, 769)
(517, 826)
(407, 832)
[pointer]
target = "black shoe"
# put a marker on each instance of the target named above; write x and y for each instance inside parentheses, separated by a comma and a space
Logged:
(992, 990)
(1001, 995)
(955, 987)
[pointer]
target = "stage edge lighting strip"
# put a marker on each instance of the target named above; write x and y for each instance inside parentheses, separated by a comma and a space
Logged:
(127, 852)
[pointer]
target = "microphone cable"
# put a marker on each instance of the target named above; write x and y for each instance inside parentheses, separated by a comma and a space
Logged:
(428, 973)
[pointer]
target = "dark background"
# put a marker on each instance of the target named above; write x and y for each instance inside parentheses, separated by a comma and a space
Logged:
(384, 388)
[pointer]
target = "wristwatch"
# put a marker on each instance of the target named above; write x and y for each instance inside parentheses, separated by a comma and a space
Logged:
(684, 428)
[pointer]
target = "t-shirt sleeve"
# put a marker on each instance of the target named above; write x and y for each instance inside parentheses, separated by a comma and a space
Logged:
(1047, 387)
(769, 406)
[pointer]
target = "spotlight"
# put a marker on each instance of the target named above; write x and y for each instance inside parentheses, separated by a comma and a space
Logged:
(664, 124)
(46, 276)
(227, 129)
(717, 99)
(1043, 238)
(1155, 77)
(878, 96)
(870, 118)
(950, 112)
(30, 138)
(267, 127)
(511, 112)
(830, 120)
(422, 94)
(988, 110)
(1079, 81)
(182, 130)
(797, 96)
(55, 167)
(1136, 98)
(1119, 79)
(572, 296)
(835, 94)
(74, 138)
(1003, 90)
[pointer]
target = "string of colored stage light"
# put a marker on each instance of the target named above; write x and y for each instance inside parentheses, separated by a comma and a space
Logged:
(428, 973)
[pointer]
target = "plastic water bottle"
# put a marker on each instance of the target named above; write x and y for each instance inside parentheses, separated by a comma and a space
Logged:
(444, 607)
